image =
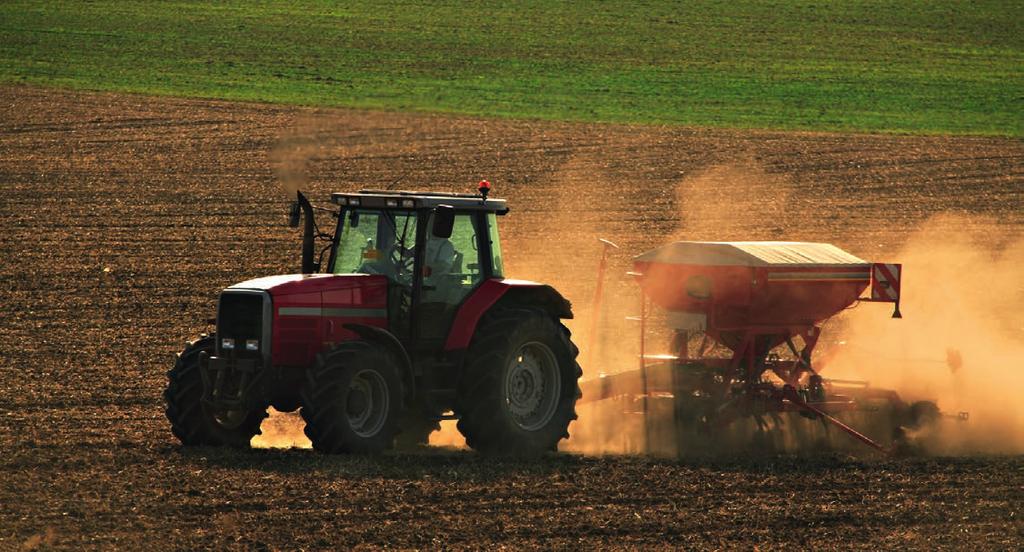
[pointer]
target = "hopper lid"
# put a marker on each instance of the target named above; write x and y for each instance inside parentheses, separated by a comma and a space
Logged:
(750, 253)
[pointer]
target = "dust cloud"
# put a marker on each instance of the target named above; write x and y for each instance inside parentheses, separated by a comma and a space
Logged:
(960, 341)
(290, 160)
(284, 430)
(737, 201)
(560, 246)
(281, 430)
(448, 436)
(292, 156)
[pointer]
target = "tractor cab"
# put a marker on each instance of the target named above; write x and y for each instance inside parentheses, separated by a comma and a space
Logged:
(433, 248)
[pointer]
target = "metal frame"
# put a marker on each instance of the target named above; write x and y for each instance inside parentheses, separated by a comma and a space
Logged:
(747, 366)
(483, 248)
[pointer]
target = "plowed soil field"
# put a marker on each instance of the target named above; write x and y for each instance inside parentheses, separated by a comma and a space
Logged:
(122, 216)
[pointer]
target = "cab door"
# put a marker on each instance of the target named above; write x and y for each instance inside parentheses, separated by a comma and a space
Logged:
(451, 268)
(383, 242)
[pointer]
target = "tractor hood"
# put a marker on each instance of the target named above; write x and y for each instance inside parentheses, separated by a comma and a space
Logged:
(289, 284)
(305, 313)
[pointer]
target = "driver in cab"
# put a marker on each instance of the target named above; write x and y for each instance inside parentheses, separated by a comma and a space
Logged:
(438, 261)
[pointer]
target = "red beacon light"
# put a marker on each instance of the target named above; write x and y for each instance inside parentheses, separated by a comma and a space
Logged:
(485, 188)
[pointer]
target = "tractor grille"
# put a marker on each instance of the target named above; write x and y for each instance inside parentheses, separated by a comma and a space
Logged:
(240, 317)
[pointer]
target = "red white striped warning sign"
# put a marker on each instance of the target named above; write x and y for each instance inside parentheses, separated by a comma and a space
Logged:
(885, 281)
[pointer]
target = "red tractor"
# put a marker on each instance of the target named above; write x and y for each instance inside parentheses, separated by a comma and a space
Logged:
(411, 322)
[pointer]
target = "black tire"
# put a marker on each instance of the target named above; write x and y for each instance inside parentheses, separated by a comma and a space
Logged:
(923, 414)
(195, 423)
(487, 412)
(352, 399)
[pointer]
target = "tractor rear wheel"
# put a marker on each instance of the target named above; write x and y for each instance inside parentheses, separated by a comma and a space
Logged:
(192, 421)
(352, 399)
(520, 385)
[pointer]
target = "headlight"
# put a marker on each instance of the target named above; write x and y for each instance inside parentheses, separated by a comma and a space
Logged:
(252, 345)
(227, 343)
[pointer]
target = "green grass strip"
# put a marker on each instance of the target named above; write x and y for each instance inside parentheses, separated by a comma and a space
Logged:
(941, 67)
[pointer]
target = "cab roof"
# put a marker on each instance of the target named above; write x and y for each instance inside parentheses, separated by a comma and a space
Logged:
(380, 199)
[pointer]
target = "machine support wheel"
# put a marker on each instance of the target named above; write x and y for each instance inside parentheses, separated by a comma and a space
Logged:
(195, 423)
(923, 413)
(519, 388)
(352, 399)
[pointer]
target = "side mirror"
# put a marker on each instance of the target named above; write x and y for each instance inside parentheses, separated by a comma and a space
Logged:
(444, 221)
(293, 215)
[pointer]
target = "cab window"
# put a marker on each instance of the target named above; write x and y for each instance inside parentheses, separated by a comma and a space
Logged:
(377, 242)
(451, 266)
(492, 234)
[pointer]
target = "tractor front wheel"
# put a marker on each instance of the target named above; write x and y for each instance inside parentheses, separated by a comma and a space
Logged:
(196, 423)
(352, 399)
(520, 385)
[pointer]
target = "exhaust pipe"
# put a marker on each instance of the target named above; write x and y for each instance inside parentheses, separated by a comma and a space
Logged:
(301, 203)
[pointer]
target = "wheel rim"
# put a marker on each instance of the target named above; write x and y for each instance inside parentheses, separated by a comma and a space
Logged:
(532, 386)
(367, 403)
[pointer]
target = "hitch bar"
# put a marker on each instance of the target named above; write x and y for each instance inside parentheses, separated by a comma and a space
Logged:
(790, 394)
